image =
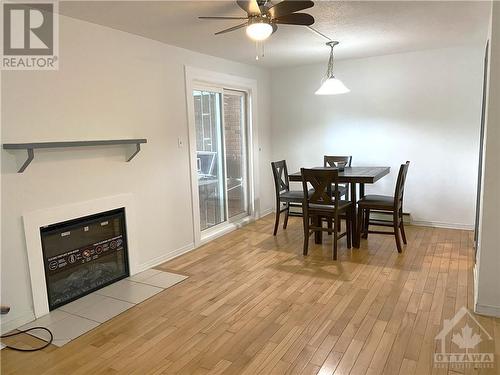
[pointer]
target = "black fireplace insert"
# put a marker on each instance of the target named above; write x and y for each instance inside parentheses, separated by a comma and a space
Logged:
(83, 255)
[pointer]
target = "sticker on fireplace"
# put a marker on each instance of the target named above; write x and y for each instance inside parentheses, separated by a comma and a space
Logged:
(84, 254)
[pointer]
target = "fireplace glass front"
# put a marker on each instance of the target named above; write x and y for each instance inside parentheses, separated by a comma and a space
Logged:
(83, 255)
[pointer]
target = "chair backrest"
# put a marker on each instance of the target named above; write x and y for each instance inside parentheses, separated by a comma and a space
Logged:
(280, 174)
(331, 161)
(400, 185)
(325, 185)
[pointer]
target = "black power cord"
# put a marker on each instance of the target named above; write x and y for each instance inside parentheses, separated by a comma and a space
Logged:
(47, 343)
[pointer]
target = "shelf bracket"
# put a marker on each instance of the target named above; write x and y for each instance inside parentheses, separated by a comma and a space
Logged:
(137, 150)
(31, 155)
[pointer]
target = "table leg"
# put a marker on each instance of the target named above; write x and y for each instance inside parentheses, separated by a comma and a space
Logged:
(354, 229)
(318, 235)
(361, 190)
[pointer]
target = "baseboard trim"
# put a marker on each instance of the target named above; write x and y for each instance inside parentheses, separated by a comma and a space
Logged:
(24, 318)
(266, 212)
(166, 257)
(439, 224)
(487, 310)
(228, 228)
(474, 290)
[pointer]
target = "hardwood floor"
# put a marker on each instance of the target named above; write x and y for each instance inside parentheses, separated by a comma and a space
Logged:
(253, 304)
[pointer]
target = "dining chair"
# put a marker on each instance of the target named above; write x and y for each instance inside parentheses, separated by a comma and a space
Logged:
(385, 204)
(331, 161)
(321, 204)
(285, 198)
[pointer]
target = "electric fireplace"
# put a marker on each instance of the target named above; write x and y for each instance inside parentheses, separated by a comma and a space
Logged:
(83, 255)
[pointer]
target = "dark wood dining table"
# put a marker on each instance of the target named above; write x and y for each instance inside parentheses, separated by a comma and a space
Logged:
(352, 176)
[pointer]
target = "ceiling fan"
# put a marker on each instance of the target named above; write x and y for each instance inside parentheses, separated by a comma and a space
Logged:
(263, 17)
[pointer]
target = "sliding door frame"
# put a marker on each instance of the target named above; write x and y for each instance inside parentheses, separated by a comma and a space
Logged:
(243, 95)
(200, 78)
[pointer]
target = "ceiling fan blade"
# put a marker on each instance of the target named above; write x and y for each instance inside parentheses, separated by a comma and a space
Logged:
(232, 28)
(249, 6)
(223, 18)
(295, 19)
(289, 6)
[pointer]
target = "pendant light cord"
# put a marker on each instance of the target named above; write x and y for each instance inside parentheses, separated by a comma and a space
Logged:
(329, 71)
(319, 33)
(330, 43)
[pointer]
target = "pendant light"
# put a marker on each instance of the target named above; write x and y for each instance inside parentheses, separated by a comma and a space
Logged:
(331, 85)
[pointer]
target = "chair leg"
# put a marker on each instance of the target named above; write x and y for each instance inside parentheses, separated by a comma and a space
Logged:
(402, 227)
(318, 234)
(335, 236)
(287, 212)
(396, 232)
(359, 223)
(348, 227)
(366, 224)
(306, 235)
(277, 221)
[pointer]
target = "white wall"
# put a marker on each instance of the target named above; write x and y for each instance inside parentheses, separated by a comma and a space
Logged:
(110, 85)
(488, 261)
(421, 106)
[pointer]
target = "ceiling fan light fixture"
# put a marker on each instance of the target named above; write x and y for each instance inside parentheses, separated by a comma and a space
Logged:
(259, 29)
(331, 85)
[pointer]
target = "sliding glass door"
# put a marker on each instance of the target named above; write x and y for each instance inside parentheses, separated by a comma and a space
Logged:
(221, 155)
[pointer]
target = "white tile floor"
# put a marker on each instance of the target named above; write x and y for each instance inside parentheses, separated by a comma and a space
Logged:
(78, 317)
(129, 291)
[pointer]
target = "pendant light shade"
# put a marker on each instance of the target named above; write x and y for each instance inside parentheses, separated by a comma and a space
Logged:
(331, 85)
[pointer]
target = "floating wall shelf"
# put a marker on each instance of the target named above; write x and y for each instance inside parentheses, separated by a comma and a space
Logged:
(30, 147)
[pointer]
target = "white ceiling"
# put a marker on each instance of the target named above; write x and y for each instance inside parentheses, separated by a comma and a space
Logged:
(364, 28)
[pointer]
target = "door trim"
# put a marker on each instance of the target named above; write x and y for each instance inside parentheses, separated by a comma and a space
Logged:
(481, 151)
(196, 78)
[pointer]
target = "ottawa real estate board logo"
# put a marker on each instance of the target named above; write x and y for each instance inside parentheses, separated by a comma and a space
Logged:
(464, 343)
(30, 36)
